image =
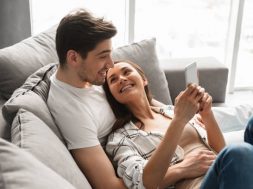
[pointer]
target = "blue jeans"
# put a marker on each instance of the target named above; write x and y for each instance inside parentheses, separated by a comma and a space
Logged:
(233, 167)
(248, 135)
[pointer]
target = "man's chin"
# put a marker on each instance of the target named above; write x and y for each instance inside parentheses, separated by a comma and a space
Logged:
(100, 82)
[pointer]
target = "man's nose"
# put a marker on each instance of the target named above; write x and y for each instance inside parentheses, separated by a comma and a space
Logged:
(109, 63)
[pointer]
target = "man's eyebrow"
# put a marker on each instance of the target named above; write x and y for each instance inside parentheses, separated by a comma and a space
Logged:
(104, 51)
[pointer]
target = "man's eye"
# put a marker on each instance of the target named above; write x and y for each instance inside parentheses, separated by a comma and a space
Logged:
(102, 57)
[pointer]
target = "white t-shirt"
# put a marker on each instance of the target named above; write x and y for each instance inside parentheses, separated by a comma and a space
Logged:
(82, 114)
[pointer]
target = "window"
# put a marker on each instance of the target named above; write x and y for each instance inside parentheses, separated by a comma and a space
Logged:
(191, 28)
(243, 77)
(47, 13)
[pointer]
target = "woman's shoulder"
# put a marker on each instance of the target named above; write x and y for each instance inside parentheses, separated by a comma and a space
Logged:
(126, 131)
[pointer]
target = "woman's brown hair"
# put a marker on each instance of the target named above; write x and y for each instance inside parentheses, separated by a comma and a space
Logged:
(121, 112)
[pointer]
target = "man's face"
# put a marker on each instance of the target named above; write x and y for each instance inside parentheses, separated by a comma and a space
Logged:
(93, 68)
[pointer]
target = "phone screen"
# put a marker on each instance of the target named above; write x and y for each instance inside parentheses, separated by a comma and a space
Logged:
(191, 74)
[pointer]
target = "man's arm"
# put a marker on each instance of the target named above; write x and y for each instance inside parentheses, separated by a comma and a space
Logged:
(98, 169)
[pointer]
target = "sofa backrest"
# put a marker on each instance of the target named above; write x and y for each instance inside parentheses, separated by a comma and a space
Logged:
(20, 60)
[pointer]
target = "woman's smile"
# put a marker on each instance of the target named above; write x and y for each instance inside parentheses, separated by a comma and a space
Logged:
(126, 88)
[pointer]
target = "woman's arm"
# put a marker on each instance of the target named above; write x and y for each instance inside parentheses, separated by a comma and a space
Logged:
(132, 167)
(195, 164)
(214, 134)
(186, 105)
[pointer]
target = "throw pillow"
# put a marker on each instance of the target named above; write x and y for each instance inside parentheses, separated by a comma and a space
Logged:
(19, 61)
(32, 96)
(19, 169)
(32, 134)
(144, 54)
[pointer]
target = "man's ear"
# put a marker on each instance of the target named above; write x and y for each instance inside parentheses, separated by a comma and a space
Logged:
(72, 58)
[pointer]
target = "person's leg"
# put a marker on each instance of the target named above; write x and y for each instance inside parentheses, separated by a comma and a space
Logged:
(248, 134)
(232, 169)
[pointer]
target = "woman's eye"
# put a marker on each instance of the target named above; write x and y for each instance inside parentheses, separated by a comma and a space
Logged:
(126, 72)
(112, 80)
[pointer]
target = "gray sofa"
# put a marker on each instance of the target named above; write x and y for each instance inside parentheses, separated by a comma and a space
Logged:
(32, 149)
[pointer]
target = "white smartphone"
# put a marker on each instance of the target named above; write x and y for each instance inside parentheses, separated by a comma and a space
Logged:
(191, 74)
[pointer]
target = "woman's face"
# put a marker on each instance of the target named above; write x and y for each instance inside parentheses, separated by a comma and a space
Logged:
(125, 83)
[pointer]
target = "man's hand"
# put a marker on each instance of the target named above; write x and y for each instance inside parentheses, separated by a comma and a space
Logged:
(97, 168)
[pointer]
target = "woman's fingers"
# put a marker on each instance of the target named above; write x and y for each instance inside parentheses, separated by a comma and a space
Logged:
(206, 102)
(195, 92)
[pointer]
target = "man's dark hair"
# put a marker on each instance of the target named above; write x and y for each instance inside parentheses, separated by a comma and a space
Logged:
(81, 31)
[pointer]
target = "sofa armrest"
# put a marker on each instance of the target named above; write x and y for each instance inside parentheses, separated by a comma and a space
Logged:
(213, 76)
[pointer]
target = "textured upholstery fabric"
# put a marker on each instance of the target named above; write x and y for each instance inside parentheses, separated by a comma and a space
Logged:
(4, 128)
(19, 61)
(144, 54)
(32, 96)
(213, 76)
(32, 134)
(19, 169)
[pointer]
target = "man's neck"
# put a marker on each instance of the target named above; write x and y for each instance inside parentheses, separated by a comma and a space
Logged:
(71, 78)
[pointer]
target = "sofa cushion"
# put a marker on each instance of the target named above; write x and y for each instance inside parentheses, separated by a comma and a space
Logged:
(19, 169)
(4, 128)
(144, 54)
(32, 96)
(32, 134)
(233, 118)
(19, 61)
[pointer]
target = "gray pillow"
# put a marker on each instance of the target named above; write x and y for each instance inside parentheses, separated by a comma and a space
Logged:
(19, 169)
(19, 61)
(144, 54)
(33, 135)
(32, 96)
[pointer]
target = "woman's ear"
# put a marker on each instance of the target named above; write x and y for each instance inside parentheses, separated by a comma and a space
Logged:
(145, 82)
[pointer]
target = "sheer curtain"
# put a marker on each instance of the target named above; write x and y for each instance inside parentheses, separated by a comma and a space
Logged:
(47, 13)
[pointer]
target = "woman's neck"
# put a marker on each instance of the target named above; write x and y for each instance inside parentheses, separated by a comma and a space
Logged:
(141, 109)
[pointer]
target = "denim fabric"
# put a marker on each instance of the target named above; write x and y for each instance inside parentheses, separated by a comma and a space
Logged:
(248, 135)
(232, 169)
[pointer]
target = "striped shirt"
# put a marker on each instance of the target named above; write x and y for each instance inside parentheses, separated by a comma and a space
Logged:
(130, 148)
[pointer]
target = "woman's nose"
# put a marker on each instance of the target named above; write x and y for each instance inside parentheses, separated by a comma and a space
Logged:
(122, 79)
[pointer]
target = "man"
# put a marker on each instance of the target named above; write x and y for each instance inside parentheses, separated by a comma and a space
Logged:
(76, 100)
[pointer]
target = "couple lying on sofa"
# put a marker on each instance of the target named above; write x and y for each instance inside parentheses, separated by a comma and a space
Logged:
(153, 146)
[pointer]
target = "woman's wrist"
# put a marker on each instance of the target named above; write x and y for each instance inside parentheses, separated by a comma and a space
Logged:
(206, 115)
(179, 121)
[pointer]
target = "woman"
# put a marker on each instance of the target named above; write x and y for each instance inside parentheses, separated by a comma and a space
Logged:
(159, 147)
